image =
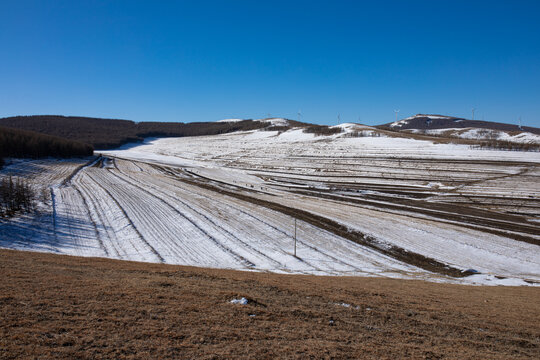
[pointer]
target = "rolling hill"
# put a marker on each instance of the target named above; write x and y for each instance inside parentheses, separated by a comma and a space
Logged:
(432, 122)
(111, 133)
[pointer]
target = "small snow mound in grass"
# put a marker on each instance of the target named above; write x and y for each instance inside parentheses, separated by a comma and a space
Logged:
(348, 305)
(242, 301)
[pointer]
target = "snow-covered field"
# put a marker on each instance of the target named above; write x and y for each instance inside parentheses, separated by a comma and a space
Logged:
(371, 206)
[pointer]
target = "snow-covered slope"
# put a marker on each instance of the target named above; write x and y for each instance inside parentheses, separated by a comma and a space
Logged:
(364, 205)
(423, 119)
(454, 127)
(271, 121)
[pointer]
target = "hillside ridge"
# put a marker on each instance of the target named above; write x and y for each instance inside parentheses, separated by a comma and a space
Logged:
(435, 121)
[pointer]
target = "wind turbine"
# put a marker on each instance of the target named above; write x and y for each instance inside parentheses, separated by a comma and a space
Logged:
(396, 111)
(473, 109)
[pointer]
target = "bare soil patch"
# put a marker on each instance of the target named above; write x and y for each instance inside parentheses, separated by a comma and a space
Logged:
(55, 306)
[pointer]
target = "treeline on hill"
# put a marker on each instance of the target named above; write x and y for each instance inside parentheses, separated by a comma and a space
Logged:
(111, 133)
(28, 144)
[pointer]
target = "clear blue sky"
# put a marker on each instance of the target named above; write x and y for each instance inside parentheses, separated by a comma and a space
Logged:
(209, 60)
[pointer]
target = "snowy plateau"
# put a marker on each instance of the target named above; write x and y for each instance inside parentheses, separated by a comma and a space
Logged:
(362, 206)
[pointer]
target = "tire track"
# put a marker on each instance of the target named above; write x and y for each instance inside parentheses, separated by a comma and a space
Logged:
(358, 237)
(152, 249)
(245, 244)
(175, 177)
(91, 162)
(162, 234)
(101, 219)
(172, 174)
(237, 256)
(98, 235)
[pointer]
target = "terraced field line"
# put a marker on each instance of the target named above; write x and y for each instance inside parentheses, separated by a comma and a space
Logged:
(336, 260)
(237, 256)
(98, 212)
(468, 221)
(358, 237)
(192, 208)
(152, 249)
(175, 175)
(98, 236)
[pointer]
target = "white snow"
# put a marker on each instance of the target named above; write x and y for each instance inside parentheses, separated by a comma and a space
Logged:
(406, 120)
(276, 121)
(400, 123)
(349, 306)
(230, 120)
(241, 301)
(295, 135)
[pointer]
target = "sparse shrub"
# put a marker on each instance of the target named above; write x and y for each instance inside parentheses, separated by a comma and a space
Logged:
(279, 128)
(322, 130)
(487, 134)
(359, 133)
(15, 196)
(506, 145)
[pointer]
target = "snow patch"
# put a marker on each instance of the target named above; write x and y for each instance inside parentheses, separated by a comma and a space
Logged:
(276, 121)
(242, 301)
(406, 120)
(345, 305)
(400, 123)
(230, 120)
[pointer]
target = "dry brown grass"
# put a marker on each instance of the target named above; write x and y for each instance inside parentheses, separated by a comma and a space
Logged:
(68, 307)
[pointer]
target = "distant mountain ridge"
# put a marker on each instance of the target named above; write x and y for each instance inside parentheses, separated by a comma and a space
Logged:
(433, 122)
(110, 133)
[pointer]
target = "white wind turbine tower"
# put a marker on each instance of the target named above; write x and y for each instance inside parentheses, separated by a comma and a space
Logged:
(473, 110)
(396, 111)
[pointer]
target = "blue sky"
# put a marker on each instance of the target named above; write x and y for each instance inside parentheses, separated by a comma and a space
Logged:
(209, 60)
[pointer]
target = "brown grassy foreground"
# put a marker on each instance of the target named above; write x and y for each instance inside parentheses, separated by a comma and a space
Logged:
(68, 307)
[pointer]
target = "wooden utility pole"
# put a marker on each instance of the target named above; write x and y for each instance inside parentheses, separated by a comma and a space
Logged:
(294, 237)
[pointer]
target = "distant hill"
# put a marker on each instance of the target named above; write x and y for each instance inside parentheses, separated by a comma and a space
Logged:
(111, 133)
(433, 122)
